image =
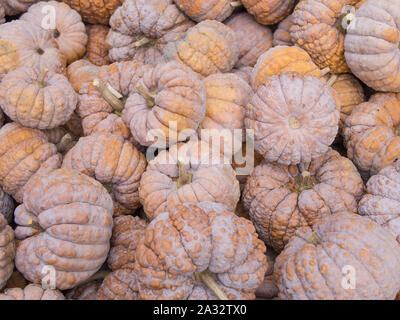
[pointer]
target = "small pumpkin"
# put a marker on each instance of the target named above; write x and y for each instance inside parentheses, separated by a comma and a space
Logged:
(281, 35)
(141, 29)
(31, 292)
(36, 98)
(111, 160)
(170, 92)
(253, 38)
(81, 72)
(313, 264)
(318, 28)
(7, 251)
(219, 255)
(24, 152)
(371, 133)
(281, 199)
(381, 201)
(25, 44)
(227, 97)
(96, 50)
(282, 59)
(15, 7)
(65, 222)
(6, 205)
(93, 11)
(269, 12)
(188, 172)
(294, 117)
(68, 30)
(128, 231)
(372, 45)
(208, 47)
(199, 10)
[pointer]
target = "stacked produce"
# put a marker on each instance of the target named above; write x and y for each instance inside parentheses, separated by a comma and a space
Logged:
(193, 149)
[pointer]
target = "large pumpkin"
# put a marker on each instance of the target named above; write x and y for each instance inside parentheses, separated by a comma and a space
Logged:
(208, 47)
(381, 201)
(318, 28)
(371, 133)
(168, 95)
(111, 160)
(68, 30)
(372, 45)
(188, 172)
(294, 117)
(93, 11)
(269, 11)
(253, 39)
(201, 251)
(24, 152)
(281, 199)
(65, 222)
(343, 257)
(36, 98)
(7, 251)
(141, 29)
(31, 292)
(282, 59)
(25, 44)
(96, 50)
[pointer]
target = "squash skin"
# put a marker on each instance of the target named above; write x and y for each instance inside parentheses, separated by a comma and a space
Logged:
(7, 251)
(96, 50)
(372, 45)
(15, 7)
(269, 12)
(31, 292)
(65, 222)
(278, 207)
(308, 271)
(281, 36)
(294, 117)
(199, 10)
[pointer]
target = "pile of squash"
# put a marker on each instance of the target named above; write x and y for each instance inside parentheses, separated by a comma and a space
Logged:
(111, 187)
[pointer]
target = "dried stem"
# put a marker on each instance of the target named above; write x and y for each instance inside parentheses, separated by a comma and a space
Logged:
(148, 96)
(314, 239)
(109, 94)
(142, 41)
(207, 278)
(332, 80)
(41, 77)
(325, 71)
(184, 176)
(64, 142)
(235, 4)
(35, 225)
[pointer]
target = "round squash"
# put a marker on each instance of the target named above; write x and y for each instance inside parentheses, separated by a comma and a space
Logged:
(372, 45)
(371, 133)
(96, 50)
(93, 11)
(200, 252)
(281, 199)
(81, 72)
(199, 10)
(36, 98)
(281, 35)
(31, 292)
(282, 59)
(24, 44)
(7, 251)
(318, 28)
(227, 97)
(381, 201)
(141, 29)
(111, 160)
(208, 47)
(269, 11)
(253, 39)
(6, 205)
(188, 172)
(15, 7)
(317, 263)
(68, 30)
(24, 152)
(294, 117)
(169, 92)
(65, 222)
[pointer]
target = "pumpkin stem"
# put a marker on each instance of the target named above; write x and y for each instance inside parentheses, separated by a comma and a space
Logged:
(107, 186)
(41, 77)
(332, 80)
(142, 41)
(325, 71)
(148, 96)
(35, 225)
(235, 4)
(64, 142)
(294, 123)
(314, 239)
(112, 96)
(184, 176)
(302, 182)
(344, 20)
(207, 278)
